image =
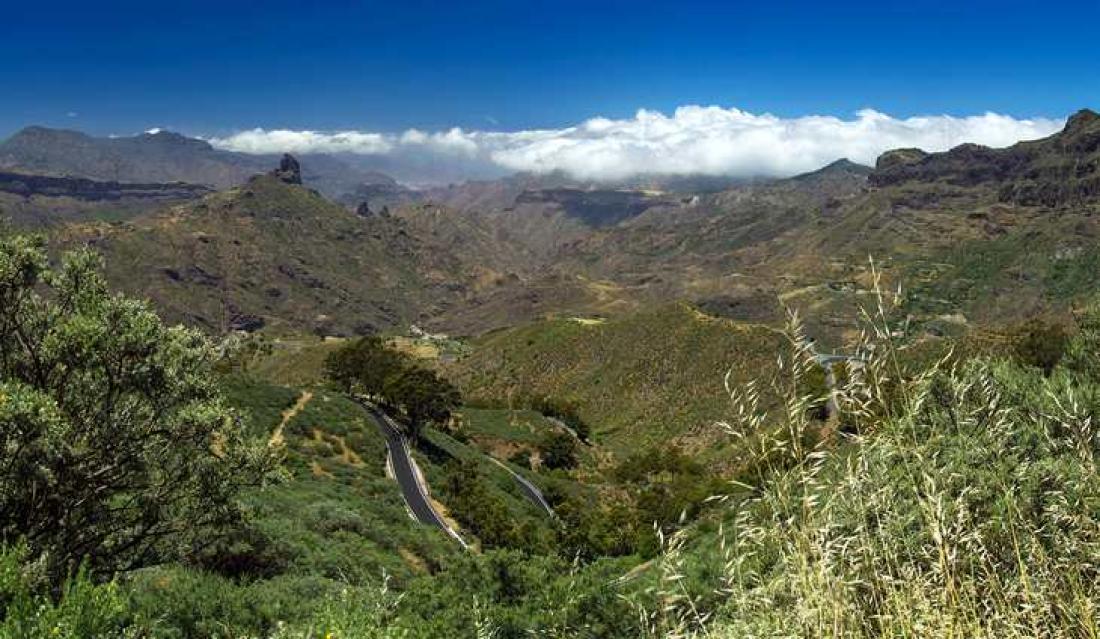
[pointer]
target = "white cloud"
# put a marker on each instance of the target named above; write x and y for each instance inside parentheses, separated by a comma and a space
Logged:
(693, 140)
(286, 141)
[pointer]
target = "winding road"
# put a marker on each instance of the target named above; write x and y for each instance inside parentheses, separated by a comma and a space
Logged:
(408, 475)
(530, 491)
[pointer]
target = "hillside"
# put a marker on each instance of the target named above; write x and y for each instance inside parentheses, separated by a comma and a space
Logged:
(273, 253)
(647, 377)
(160, 156)
(950, 226)
(994, 234)
(29, 200)
(268, 252)
(491, 254)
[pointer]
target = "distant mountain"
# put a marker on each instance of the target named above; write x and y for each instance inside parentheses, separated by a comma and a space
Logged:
(28, 185)
(161, 157)
(149, 157)
(377, 191)
(503, 193)
(987, 235)
(838, 177)
(29, 200)
(1059, 170)
(265, 253)
(273, 253)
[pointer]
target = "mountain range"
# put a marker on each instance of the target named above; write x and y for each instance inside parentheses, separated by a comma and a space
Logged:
(160, 156)
(351, 250)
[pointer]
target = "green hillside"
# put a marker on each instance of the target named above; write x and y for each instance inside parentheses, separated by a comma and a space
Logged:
(649, 377)
(268, 250)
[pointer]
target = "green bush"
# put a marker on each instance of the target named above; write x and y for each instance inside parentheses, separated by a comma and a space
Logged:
(1040, 343)
(521, 458)
(121, 452)
(82, 608)
(558, 450)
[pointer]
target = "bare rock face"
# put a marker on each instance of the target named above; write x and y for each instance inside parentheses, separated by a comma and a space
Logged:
(898, 157)
(1081, 121)
(28, 185)
(246, 322)
(289, 170)
(1061, 170)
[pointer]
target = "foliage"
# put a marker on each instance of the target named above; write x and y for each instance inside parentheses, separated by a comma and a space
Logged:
(120, 449)
(258, 404)
(1082, 349)
(558, 450)
(636, 379)
(521, 458)
(967, 507)
(1041, 344)
(364, 365)
(82, 609)
(567, 412)
(667, 488)
(424, 396)
(240, 351)
(485, 513)
(370, 367)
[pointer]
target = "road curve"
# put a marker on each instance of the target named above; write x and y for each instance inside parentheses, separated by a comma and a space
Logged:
(533, 494)
(406, 474)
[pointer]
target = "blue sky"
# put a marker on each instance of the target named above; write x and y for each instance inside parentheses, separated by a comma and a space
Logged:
(214, 68)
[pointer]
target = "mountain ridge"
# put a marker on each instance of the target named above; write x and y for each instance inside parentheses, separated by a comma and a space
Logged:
(158, 157)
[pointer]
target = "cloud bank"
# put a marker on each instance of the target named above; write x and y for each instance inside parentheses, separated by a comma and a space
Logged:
(693, 140)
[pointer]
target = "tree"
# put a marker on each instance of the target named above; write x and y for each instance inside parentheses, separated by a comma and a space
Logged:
(424, 396)
(364, 365)
(558, 450)
(118, 449)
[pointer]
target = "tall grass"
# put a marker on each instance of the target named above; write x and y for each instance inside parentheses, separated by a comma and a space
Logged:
(964, 502)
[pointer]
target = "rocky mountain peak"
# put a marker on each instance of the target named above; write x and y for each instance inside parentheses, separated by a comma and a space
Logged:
(897, 157)
(289, 170)
(1080, 121)
(1056, 171)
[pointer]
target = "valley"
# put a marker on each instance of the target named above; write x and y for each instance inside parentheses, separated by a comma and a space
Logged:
(536, 399)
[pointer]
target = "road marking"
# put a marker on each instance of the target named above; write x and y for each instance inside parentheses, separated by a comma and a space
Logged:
(380, 417)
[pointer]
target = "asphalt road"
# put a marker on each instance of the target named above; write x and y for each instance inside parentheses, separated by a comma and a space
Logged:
(404, 470)
(530, 491)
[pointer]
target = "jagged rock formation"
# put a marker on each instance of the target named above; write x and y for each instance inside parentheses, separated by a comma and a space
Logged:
(898, 157)
(364, 210)
(289, 170)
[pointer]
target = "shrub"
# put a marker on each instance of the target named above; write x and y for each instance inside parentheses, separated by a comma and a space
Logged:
(119, 447)
(558, 450)
(968, 509)
(521, 458)
(82, 608)
(1041, 344)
